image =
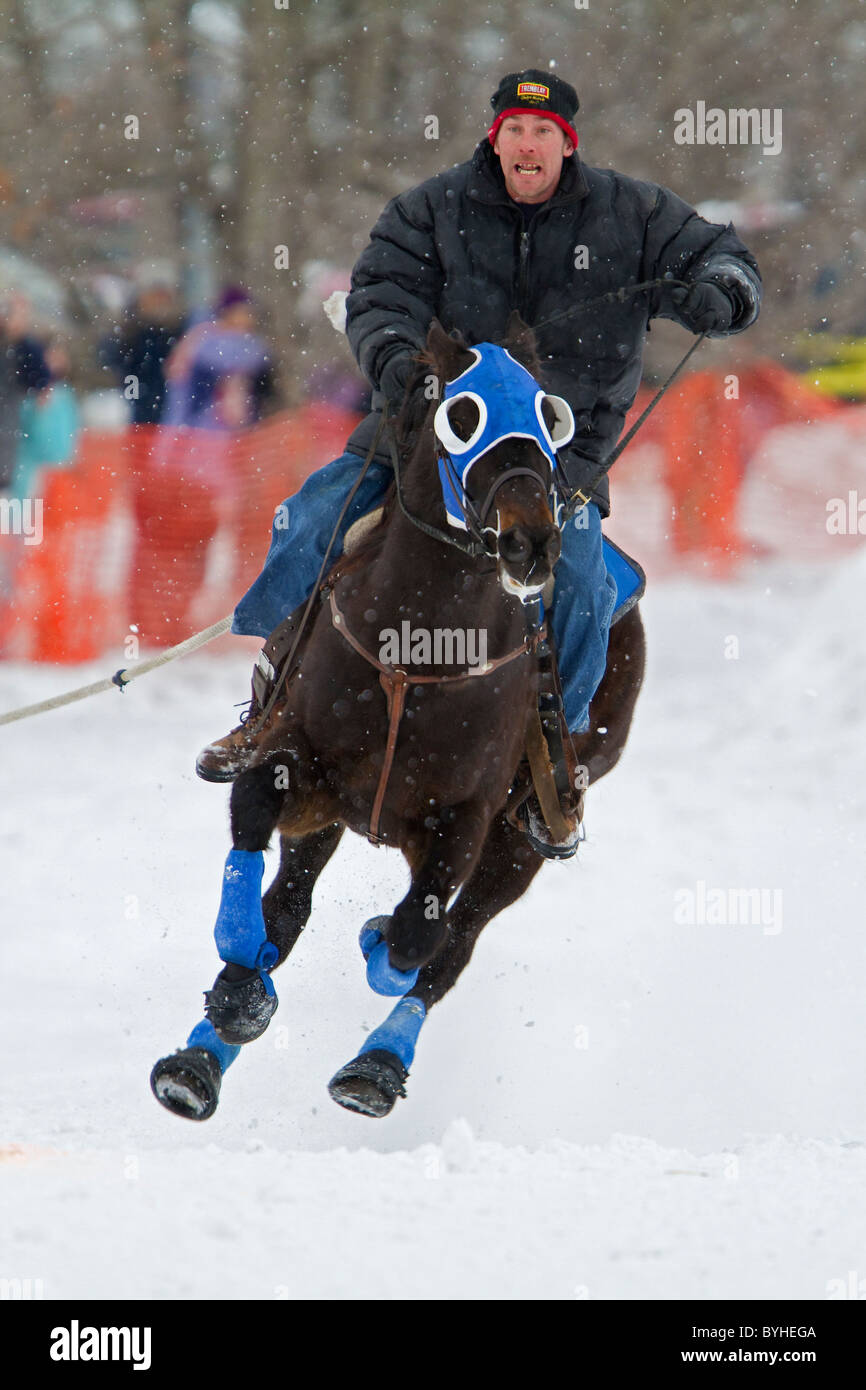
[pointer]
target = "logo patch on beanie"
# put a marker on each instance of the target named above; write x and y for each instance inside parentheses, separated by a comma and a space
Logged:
(533, 91)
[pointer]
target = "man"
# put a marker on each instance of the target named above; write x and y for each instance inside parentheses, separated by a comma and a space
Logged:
(522, 225)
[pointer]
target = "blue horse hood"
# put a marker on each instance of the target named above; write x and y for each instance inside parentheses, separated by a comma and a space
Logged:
(509, 402)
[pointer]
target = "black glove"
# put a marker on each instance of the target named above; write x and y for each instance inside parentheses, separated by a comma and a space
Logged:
(703, 307)
(395, 375)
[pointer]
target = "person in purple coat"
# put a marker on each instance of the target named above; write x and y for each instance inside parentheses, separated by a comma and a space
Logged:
(218, 380)
(219, 375)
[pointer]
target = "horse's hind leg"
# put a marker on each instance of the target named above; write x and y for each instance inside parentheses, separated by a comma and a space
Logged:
(243, 1000)
(288, 902)
(371, 1083)
(418, 927)
(507, 866)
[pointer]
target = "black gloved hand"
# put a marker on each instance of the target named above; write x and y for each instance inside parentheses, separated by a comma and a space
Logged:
(703, 307)
(395, 375)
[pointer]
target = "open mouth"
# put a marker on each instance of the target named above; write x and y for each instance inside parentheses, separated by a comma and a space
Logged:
(525, 592)
(528, 168)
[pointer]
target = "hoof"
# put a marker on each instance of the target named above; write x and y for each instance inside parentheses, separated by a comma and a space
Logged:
(188, 1083)
(370, 1084)
(240, 1010)
(371, 934)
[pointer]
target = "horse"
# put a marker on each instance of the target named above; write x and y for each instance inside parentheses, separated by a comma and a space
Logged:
(402, 752)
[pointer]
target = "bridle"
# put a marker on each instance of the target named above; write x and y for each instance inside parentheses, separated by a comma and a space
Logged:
(568, 498)
(482, 537)
(476, 517)
(476, 546)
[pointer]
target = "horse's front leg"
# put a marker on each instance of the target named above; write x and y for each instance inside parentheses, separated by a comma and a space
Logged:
(242, 1001)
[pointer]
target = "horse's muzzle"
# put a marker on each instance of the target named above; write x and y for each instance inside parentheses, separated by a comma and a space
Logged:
(527, 555)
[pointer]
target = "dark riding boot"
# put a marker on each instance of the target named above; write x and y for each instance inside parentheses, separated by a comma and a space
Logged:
(227, 758)
(526, 813)
(530, 820)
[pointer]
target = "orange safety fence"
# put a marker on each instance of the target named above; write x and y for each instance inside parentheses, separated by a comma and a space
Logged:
(678, 492)
(65, 592)
(155, 529)
(166, 529)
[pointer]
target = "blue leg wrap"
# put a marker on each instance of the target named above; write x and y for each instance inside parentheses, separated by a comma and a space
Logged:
(381, 975)
(203, 1035)
(399, 1032)
(240, 933)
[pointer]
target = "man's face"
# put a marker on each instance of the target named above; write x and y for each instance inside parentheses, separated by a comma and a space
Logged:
(531, 149)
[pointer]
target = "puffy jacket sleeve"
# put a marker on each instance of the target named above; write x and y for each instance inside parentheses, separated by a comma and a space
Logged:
(679, 243)
(395, 286)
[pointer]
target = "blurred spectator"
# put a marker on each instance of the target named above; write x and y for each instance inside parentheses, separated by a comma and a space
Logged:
(49, 424)
(152, 331)
(22, 369)
(219, 374)
(340, 386)
(219, 380)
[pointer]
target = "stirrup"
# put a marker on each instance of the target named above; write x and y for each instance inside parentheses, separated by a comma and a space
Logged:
(532, 823)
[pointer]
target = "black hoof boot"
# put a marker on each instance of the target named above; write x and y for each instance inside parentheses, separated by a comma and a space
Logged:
(240, 1008)
(188, 1083)
(370, 1084)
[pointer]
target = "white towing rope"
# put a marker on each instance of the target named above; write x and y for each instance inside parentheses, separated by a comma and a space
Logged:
(121, 678)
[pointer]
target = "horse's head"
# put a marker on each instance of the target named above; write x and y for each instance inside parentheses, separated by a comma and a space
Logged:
(497, 433)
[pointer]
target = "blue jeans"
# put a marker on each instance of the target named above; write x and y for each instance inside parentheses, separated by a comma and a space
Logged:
(584, 594)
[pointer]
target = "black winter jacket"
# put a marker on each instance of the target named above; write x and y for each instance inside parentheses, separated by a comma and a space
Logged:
(455, 247)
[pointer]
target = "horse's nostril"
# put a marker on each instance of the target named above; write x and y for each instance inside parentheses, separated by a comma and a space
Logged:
(519, 546)
(515, 546)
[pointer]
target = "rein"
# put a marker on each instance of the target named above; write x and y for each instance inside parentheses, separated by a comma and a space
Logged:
(395, 680)
(474, 517)
(546, 774)
(579, 497)
(619, 296)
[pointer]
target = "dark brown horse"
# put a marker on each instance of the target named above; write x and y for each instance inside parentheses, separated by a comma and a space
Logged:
(455, 752)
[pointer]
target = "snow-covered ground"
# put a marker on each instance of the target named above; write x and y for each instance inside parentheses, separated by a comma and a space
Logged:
(613, 1102)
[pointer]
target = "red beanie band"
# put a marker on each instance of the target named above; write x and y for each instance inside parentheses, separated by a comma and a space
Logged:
(530, 111)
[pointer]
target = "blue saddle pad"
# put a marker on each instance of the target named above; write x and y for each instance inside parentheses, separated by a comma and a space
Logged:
(628, 576)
